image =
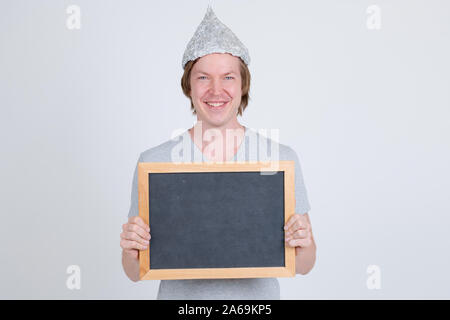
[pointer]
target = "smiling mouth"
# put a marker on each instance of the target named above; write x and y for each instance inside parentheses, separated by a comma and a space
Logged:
(216, 105)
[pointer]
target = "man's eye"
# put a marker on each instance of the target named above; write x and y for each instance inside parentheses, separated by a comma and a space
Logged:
(202, 77)
(229, 77)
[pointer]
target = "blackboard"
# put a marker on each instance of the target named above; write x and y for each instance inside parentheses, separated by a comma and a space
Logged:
(216, 220)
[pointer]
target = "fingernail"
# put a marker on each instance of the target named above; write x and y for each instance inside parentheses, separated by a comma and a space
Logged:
(285, 228)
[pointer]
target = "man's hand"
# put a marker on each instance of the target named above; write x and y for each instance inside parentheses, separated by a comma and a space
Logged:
(134, 237)
(298, 231)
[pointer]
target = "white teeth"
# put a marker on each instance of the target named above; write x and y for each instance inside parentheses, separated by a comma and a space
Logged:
(215, 104)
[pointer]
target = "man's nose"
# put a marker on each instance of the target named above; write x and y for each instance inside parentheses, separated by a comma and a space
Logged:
(216, 86)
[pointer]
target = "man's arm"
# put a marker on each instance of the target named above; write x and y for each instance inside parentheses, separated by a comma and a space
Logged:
(130, 264)
(305, 257)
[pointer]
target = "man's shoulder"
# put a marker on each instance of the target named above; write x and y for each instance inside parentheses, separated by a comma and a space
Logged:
(162, 151)
(284, 150)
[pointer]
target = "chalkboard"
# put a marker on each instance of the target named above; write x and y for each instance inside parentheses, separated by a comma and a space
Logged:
(216, 220)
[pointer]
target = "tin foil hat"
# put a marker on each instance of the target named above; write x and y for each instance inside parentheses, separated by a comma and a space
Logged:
(212, 36)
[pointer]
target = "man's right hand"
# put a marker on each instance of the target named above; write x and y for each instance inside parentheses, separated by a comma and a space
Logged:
(135, 236)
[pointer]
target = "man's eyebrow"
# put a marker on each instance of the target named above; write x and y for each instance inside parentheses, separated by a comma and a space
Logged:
(203, 72)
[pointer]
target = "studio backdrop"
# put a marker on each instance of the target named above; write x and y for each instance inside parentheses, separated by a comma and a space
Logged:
(359, 89)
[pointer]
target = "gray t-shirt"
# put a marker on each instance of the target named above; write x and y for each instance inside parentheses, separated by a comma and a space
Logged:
(254, 147)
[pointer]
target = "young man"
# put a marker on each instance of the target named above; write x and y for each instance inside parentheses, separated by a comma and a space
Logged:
(217, 81)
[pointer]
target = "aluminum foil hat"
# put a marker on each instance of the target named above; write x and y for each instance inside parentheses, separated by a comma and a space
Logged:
(212, 36)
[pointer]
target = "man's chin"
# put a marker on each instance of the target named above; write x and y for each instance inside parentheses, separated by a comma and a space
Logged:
(212, 122)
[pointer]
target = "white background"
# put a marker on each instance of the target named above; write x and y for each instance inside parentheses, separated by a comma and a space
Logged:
(366, 110)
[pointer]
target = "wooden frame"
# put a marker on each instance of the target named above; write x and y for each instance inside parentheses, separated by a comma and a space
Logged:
(144, 168)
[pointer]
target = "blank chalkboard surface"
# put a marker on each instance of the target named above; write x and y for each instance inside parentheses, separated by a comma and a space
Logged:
(216, 220)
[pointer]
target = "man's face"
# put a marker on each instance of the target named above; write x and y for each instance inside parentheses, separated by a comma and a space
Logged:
(216, 89)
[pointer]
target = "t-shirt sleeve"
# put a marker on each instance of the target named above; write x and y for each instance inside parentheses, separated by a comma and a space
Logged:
(134, 203)
(301, 195)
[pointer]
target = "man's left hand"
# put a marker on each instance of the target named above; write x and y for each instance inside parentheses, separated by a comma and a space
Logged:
(298, 231)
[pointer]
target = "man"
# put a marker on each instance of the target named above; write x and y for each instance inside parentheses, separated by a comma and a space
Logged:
(217, 81)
